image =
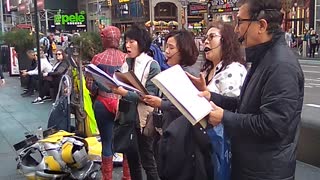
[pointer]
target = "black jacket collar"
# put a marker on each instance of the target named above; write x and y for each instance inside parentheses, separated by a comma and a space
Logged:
(255, 54)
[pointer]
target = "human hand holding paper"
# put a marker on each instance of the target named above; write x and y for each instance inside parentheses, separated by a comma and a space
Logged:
(216, 115)
(119, 90)
(153, 101)
(206, 94)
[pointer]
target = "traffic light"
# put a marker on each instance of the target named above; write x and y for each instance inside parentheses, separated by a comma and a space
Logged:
(109, 3)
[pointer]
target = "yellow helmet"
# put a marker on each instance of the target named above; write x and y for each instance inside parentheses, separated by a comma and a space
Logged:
(54, 157)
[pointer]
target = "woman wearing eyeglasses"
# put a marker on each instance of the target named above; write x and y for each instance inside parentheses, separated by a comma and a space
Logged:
(224, 73)
(52, 79)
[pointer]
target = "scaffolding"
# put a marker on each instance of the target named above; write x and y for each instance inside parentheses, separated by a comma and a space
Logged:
(45, 16)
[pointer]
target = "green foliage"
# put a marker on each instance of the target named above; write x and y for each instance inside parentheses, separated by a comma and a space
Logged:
(91, 44)
(21, 39)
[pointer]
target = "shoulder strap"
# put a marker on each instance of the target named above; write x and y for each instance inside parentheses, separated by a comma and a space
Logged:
(131, 68)
(145, 70)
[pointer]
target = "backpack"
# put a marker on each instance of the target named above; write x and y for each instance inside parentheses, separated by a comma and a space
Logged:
(53, 46)
(158, 55)
(45, 43)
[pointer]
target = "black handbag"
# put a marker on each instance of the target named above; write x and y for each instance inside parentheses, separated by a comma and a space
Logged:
(154, 120)
(59, 116)
(125, 138)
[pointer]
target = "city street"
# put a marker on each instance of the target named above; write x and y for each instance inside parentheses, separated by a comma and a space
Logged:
(309, 144)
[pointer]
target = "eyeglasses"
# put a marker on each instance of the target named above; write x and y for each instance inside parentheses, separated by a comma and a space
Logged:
(239, 20)
(210, 36)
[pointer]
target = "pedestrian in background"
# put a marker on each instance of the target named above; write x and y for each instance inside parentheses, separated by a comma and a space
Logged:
(288, 37)
(2, 77)
(31, 81)
(263, 123)
(106, 103)
(313, 43)
(46, 67)
(51, 80)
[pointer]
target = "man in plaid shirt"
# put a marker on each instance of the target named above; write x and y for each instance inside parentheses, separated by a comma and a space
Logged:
(106, 104)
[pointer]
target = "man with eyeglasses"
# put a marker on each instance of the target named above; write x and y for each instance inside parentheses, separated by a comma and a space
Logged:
(264, 121)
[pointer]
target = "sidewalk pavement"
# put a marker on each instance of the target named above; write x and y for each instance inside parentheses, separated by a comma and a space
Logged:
(296, 52)
(18, 115)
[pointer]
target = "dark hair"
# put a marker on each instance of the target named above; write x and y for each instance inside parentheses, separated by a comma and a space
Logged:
(269, 10)
(63, 53)
(230, 46)
(186, 46)
(139, 34)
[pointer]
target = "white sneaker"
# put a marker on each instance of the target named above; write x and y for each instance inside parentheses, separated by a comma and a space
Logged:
(38, 100)
(46, 98)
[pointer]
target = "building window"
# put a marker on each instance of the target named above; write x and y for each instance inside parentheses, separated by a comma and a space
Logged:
(165, 10)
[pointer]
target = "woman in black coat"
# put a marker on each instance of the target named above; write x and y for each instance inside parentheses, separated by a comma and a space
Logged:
(52, 79)
(180, 155)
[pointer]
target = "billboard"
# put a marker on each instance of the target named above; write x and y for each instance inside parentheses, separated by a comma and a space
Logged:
(77, 18)
(197, 8)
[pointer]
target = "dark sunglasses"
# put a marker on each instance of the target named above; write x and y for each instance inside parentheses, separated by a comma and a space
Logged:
(210, 37)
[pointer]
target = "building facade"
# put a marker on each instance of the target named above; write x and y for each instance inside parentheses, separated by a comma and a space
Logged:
(224, 10)
(53, 15)
(124, 13)
(298, 16)
(317, 16)
(98, 12)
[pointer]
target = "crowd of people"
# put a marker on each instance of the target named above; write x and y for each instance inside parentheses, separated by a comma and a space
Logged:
(311, 37)
(252, 79)
(51, 75)
(255, 113)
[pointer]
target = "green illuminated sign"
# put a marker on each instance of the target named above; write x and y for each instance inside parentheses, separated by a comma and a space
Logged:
(70, 19)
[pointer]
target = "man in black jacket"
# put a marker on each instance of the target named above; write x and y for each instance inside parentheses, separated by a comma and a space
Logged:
(31, 85)
(264, 121)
